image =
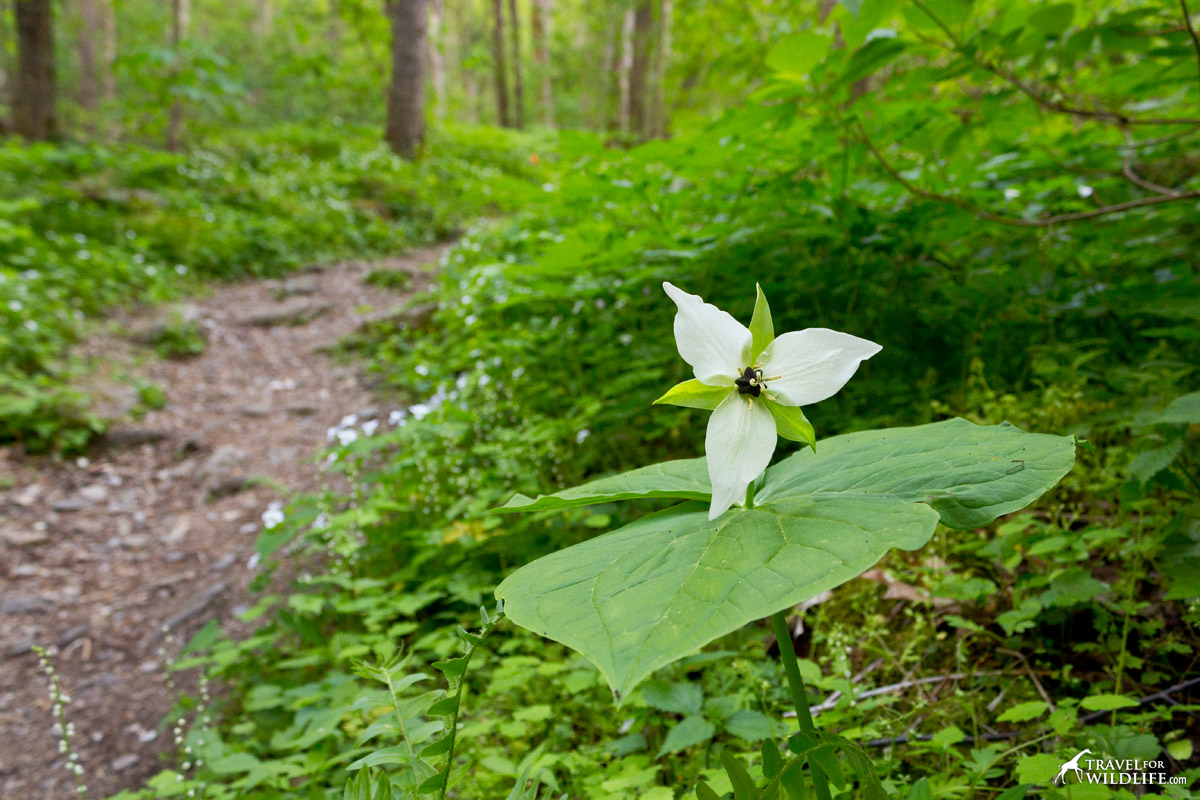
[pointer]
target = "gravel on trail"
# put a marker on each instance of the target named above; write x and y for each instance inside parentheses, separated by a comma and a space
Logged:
(156, 526)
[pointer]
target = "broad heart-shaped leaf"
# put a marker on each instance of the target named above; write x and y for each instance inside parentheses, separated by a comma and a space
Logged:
(686, 479)
(969, 473)
(638, 598)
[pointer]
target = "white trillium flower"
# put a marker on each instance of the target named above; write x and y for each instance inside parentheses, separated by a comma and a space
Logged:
(754, 384)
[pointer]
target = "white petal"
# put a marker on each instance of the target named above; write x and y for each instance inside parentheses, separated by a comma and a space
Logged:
(812, 364)
(713, 342)
(739, 444)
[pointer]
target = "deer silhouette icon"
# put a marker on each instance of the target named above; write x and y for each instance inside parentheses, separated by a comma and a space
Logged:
(1071, 766)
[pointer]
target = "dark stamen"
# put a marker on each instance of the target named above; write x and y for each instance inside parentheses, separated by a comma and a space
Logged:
(750, 383)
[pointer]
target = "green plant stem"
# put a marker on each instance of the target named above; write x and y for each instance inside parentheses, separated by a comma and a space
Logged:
(791, 668)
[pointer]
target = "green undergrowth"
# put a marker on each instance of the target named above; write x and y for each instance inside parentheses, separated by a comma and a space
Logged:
(85, 229)
(552, 337)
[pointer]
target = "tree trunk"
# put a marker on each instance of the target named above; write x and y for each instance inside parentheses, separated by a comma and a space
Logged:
(85, 48)
(662, 53)
(624, 47)
(34, 115)
(264, 18)
(181, 21)
(437, 60)
(518, 80)
(6, 64)
(406, 97)
(542, 28)
(498, 64)
(466, 33)
(639, 68)
(108, 48)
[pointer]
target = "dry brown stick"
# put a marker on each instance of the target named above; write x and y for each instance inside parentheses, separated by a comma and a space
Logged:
(1032, 675)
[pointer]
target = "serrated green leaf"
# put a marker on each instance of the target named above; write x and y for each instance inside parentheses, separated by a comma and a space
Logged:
(678, 697)
(1023, 712)
(920, 790)
(694, 394)
(1107, 702)
(1149, 463)
(690, 732)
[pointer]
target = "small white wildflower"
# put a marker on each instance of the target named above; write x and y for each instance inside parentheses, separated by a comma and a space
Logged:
(419, 411)
(273, 516)
(346, 436)
(348, 420)
(421, 369)
(1084, 190)
(369, 427)
(1011, 194)
(582, 436)
(397, 417)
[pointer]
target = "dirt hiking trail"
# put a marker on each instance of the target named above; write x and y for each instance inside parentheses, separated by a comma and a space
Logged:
(157, 525)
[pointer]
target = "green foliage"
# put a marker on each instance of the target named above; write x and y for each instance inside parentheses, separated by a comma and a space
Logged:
(84, 229)
(912, 172)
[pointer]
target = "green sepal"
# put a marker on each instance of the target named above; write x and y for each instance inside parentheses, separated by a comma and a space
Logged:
(761, 327)
(694, 394)
(791, 423)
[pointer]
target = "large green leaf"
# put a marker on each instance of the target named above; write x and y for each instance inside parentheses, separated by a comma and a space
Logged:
(969, 473)
(660, 588)
(654, 591)
(686, 479)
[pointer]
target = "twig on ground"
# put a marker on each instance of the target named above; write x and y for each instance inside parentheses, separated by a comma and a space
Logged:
(1164, 695)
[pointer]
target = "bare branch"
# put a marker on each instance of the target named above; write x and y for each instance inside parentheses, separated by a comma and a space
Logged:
(1128, 171)
(1015, 222)
(1030, 91)
(1187, 20)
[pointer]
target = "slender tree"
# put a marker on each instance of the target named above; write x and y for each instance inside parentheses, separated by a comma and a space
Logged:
(88, 89)
(542, 23)
(639, 68)
(181, 23)
(659, 122)
(34, 113)
(518, 78)
(498, 63)
(623, 49)
(264, 18)
(406, 95)
(437, 60)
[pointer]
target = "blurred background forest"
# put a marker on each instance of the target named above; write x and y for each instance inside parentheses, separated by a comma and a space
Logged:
(1002, 194)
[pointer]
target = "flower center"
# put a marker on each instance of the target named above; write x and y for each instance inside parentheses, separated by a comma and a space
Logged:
(750, 383)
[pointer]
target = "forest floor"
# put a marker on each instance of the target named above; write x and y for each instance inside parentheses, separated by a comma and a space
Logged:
(156, 526)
